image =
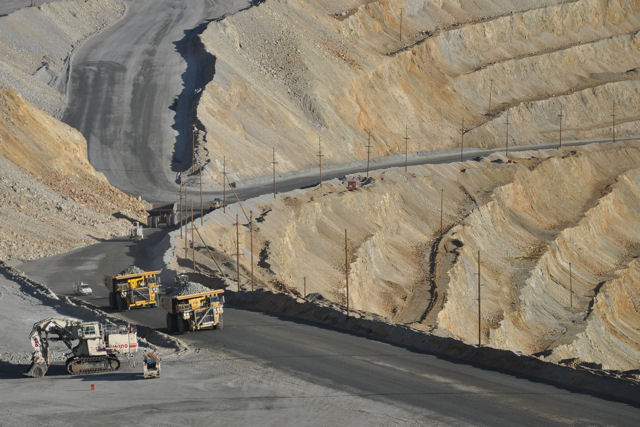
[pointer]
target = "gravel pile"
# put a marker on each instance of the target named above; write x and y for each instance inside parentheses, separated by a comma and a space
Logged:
(189, 288)
(133, 269)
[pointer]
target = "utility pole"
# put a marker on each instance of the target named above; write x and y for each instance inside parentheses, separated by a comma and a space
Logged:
(304, 287)
(251, 247)
(560, 115)
(368, 153)
(193, 147)
(570, 288)
(479, 306)
(224, 184)
(506, 152)
(193, 242)
(401, 13)
(320, 155)
(490, 92)
(238, 251)
(441, 208)
(613, 122)
(273, 163)
(186, 218)
(562, 17)
(180, 207)
(201, 207)
(461, 139)
(406, 146)
(346, 267)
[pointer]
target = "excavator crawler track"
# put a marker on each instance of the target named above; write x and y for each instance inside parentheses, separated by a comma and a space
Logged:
(92, 365)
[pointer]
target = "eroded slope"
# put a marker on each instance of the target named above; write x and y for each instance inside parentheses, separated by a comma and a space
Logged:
(290, 72)
(529, 220)
(51, 198)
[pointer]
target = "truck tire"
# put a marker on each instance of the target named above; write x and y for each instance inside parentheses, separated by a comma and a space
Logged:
(112, 300)
(171, 323)
(120, 303)
(220, 324)
(181, 324)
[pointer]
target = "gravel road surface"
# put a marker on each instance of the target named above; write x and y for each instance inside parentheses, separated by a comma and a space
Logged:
(124, 89)
(343, 362)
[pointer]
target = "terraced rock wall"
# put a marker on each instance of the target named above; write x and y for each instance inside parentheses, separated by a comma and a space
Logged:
(293, 75)
(530, 221)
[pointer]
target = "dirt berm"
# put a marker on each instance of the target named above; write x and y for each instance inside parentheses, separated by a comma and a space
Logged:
(609, 385)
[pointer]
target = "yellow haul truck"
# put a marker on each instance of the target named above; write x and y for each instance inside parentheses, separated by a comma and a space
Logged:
(195, 311)
(133, 290)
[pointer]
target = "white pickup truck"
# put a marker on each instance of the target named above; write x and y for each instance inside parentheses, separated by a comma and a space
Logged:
(81, 288)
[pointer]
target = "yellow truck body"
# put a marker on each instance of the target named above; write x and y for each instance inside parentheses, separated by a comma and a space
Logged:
(192, 312)
(127, 291)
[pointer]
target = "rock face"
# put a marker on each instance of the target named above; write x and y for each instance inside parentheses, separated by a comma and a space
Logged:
(289, 72)
(51, 198)
(530, 220)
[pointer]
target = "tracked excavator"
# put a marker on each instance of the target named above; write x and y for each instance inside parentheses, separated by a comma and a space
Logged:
(97, 349)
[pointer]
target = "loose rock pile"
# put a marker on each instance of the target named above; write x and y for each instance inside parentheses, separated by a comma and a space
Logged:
(133, 269)
(189, 288)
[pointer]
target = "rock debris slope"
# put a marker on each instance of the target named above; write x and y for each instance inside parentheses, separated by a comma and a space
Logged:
(51, 198)
(529, 220)
(290, 72)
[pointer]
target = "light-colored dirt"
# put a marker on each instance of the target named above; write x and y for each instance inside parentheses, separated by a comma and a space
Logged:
(289, 72)
(51, 198)
(528, 219)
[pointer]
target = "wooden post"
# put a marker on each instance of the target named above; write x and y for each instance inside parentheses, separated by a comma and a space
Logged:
(401, 13)
(274, 172)
(193, 147)
(251, 247)
(224, 184)
(186, 215)
(479, 306)
(346, 267)
(201, 206)
(193, 242)
(490, 92)
(570, 288)
(320, 159)
(560, 136)
(180, 208)
(441, 209)
(304, 287)
(238, 251)
(613, 122)
(462, 140)
(506, 151)
(406, 146)
(368, 153)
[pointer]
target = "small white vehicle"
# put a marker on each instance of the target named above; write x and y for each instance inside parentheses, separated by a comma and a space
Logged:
(81, 288)
(135, 232)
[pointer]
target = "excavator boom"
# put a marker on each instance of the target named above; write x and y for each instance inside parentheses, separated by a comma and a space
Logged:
(97, 346)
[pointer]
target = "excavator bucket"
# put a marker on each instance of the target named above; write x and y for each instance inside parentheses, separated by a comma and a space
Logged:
(37, 370)
(39, 365)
